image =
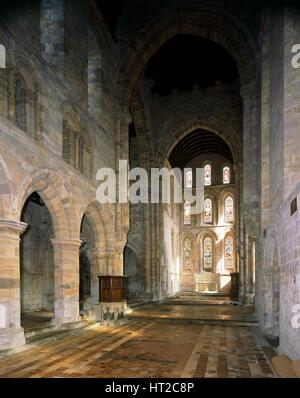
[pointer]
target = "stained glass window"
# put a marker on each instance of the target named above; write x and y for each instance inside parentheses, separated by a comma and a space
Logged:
(207, 174)
(187, 253)
(228, 252)
(207, 210)
(228, 216)
(207, 253)
(189, 179)
(187, 213)
(226, 175)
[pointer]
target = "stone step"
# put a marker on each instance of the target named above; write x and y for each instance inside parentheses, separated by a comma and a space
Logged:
(197, 303)
(49, 334)
(134, 304)
(54, 332)
(225, 322)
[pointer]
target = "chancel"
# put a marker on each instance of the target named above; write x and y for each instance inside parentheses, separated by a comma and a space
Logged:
(153, 289)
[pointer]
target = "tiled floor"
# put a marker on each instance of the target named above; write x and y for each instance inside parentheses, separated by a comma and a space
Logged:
(147, 348)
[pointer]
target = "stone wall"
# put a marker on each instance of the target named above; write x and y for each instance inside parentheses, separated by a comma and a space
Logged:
(47, 46)
(278, 278)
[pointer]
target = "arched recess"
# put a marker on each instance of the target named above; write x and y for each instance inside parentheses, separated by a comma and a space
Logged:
(204, 21)
(6, 195)
(134, 272)
(37, 259)
(77, 142)
(97, 255)
(271, 287)
(25, 76)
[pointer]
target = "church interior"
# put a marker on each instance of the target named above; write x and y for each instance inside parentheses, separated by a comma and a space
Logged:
(90, 289)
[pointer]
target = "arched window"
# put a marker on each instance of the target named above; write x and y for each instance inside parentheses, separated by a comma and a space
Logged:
(228, 252)
(187, 213)
(20, 104)
(187, 253)
(208, 216)
(228, 209)
(207, 253)
(226, 175)
(189, 179)
(207, 174)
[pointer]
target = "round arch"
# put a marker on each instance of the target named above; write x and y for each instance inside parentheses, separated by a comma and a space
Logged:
(50, 186)
(175, 135)
(204, 21)
(99, 220)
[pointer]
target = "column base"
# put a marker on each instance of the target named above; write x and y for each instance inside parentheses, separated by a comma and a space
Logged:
(249, 298)
(109, 313)
(58, 321)
(11, 338)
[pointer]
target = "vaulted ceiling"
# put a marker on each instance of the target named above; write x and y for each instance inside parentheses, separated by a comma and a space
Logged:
(188, 60)
(196, 143)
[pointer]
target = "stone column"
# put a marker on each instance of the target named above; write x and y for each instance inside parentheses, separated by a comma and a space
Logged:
(250, 213)
(242, 264)
(102, 263)
(121, 209)
(11, 332)
(66, 277)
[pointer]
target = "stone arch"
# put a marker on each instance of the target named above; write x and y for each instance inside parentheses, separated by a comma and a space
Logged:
(6, 195)
(27, 71)
(50, 186)
(133, 270)
(205, 21)
(205, 122)
(69, 113)
(97, 235)
(100, 218)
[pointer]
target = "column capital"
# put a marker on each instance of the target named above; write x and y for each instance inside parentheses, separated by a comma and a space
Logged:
(18, 227)
(102, 253)
(67, 244)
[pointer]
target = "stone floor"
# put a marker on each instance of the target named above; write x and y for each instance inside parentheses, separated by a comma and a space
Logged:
(153, 345)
